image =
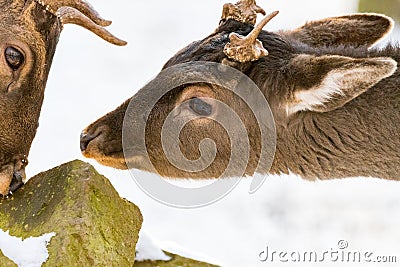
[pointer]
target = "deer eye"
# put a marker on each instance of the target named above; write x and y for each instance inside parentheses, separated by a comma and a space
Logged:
(200, 107)
(14, 58)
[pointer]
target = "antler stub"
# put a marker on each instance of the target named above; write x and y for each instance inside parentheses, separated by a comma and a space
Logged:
(243, 11)
(249, 48)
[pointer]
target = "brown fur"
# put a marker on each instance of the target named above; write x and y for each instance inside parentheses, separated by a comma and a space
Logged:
(336, 104)
(365, 29)
(33, 32)
(31, 28)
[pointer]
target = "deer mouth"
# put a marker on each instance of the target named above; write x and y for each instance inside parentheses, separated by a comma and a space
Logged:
(115, 160)
(99, 145)
(107, 151)
(18, 180)
(112, 159)
(12, 177)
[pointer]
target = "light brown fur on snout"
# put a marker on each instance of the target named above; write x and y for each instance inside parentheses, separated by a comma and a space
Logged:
(6, 175)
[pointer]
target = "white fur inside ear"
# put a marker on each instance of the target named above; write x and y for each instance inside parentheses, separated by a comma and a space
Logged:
(318, 95)
(342, 85)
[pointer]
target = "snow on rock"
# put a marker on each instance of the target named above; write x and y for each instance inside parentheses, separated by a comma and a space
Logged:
(146, 249)
(31, 252)
(94, 226)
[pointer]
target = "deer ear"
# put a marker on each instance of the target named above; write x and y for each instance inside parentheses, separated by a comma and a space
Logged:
(355, 30)
(325, 83)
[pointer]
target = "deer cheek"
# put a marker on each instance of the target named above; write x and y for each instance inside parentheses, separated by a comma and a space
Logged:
(5, 74)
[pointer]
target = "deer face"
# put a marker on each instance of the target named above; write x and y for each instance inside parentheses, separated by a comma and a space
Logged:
(199, 107)
(103, 139)
(28, 38)
(294, 70)
(29, 34)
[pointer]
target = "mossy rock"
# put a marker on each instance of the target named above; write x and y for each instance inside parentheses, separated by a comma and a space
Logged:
(93, 225)
(387, 7)
(5, 262)
(175, 261)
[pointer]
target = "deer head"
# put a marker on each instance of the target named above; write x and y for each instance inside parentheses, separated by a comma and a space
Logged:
(319, 81)
(29, 32)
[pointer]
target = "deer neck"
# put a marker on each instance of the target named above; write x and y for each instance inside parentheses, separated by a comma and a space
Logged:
(339, 144)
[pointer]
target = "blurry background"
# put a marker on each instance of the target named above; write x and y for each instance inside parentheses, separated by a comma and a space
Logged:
(90, 78)
(388, 7)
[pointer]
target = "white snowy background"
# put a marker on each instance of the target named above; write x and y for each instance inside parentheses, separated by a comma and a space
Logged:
(90, 78)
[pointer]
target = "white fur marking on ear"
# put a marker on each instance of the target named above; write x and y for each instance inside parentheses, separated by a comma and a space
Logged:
(341, 82)
(318, 95)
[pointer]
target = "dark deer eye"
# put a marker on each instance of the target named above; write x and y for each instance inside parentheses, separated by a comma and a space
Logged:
(200, 107)
(14, 57)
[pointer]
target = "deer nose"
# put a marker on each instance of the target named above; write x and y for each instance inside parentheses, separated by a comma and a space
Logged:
(85, 140)
(18, 180)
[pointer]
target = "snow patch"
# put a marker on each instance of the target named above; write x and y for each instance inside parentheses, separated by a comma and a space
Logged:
(146, 249)
(31, 252)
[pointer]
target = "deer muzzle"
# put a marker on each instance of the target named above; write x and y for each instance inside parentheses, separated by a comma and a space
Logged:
(12, 176)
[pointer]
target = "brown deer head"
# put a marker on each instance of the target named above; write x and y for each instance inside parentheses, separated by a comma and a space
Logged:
(29, 32)
(334, 99)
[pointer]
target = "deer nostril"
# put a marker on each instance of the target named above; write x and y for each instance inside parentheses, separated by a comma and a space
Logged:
(85, 140)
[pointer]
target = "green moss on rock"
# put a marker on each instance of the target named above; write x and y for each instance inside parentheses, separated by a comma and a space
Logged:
(175, 261)
(93, 225)
(5, 262)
